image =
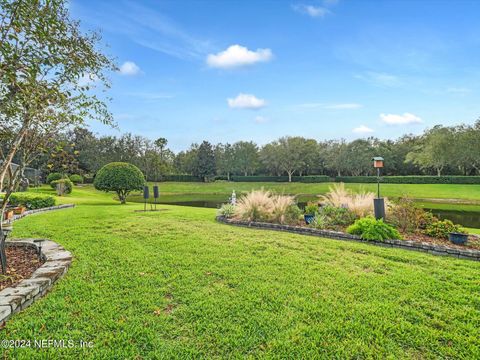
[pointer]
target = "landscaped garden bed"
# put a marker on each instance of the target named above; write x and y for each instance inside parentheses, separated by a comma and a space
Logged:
(342, 214)
(22, 262)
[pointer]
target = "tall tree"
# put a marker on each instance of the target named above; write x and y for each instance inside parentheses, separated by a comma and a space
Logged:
(434, 151)
(205, 162)
(246, 157)
(225, 159)
(47, 66)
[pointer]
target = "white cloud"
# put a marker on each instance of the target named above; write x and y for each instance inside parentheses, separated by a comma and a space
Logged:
(246, 101)
(380, 79)
(310, 10)
(344, 106)
(129, 68)
(362, 129)
(261, 119)
(236, 56)
(405, 119)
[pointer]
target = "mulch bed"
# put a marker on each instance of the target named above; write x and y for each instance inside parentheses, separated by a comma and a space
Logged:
(21, 263)
(472, 243)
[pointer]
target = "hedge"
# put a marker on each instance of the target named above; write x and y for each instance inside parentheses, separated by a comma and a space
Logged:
(31, 201)
(414, 179)
(181, 178)
(411, 179)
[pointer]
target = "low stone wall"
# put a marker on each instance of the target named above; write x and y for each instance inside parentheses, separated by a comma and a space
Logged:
(36, 211)
(402, 244)
(57, 261)
(17, 298)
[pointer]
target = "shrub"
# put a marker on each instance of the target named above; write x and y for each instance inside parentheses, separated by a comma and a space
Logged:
(330, 217)
(119, 177)
(76, 179)
(426, 220)
(227, 210)
(53, 176)
(311, 208)
(88, 179)
(63, 186)
(257, 205)
(411, 179)
(181, 178)
(280, 208)
(441, 229)
(32, 201)
(369, 228)
(338, 216)
(360, 203)
(293, 213)
(406, 215)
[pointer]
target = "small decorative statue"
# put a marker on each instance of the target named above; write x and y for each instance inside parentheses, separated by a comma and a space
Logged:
(233, 198)
(24, 183)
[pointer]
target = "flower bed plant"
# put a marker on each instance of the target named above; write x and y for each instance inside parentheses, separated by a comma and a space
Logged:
(343, 211)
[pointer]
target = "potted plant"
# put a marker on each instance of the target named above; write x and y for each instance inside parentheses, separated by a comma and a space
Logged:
(311, 210)
(8, 214)
(19, 210)
(459, 237)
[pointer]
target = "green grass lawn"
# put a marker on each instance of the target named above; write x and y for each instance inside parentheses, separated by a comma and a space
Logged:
(176, 284)
(470, 193)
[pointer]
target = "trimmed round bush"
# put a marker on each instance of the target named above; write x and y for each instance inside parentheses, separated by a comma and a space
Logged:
(66, 184)
(76, 179)
(119, 177)
(53, 176)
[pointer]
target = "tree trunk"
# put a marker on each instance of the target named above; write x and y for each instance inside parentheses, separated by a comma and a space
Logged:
(289, 176)
(228, 176)
(439, 171)
(245, 173)
(13, 150)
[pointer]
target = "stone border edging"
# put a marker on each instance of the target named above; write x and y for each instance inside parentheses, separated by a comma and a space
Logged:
(22, 295)
(36, 211)
(401, 244)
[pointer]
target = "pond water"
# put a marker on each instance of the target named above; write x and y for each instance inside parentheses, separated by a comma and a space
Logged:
(464, 218)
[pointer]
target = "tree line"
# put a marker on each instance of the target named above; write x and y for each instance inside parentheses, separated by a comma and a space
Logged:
(438, 151)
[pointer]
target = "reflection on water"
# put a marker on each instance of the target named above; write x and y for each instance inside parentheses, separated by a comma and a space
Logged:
(464, 218)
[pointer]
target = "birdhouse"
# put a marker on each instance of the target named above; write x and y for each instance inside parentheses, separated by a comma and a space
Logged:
(377, 162)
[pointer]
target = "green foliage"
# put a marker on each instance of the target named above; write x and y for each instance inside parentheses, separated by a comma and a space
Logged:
(411, 179)
(205, 161)
(369, 228)
(63, 186)
(31, 201)
(311, 179)
(119, 177)
(265, 178)
(311, 208)
(227, 210)
(338, 216)
(76, 179)
(406, 215)
(181, 178)
(292, 214)
(441, 229)
(54, 176)
(331, 217)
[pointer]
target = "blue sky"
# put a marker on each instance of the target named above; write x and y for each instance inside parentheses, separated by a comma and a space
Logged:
(257, 70)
